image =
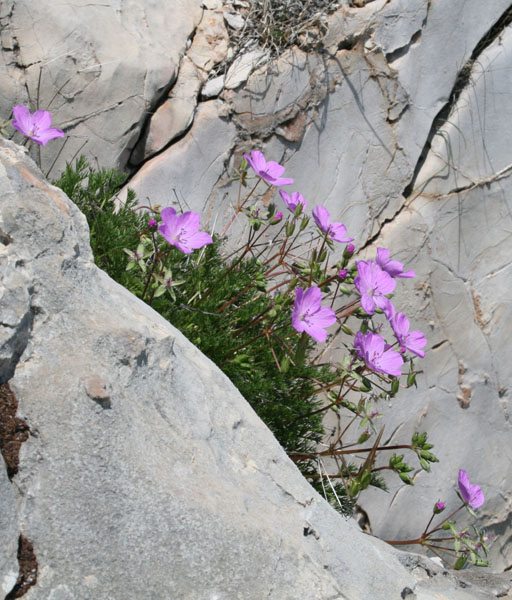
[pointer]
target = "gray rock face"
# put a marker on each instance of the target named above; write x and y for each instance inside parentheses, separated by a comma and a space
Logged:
(353, 125)
(147, 475)
(98, 67)
(9, 534)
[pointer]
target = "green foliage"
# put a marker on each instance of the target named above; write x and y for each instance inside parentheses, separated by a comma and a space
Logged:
(191, 294)
(113, 226)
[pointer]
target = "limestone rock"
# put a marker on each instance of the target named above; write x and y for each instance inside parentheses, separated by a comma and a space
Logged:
(175, 489)
(98, 67)
(174, 116)
(213, 87)
(9, 535)
(242, 67)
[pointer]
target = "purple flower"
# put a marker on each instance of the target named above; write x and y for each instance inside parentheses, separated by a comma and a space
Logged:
(309, 315)
(439, 507)
(36, 126)
(372, 283)
(183, 231)
(371, 347)
(342, 274)
(269, 171)
(152, 223)
(350, 249)
(293, 201)
(337, 231)
(393, 267)
(412, 340)
(471, 493)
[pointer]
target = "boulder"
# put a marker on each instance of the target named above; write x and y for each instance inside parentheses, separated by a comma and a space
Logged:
(146, 474)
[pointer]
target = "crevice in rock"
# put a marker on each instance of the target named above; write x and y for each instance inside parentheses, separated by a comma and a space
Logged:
(13, 430)
(461, 82)
(17, 344)
(403, 50)
(28, 568)
(135, 165)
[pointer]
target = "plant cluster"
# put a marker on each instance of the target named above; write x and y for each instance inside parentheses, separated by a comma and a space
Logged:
(260, 311)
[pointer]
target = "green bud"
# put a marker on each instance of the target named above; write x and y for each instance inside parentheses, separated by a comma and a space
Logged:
(285, 364)
(406, 479)
(347, 330)
(304, 223)
(411, 380)
(424, 465)
(290, 228)
(363, 437)
(344, 290)
(364, 326)
(461, 561)
(395, 386)
(367, 383)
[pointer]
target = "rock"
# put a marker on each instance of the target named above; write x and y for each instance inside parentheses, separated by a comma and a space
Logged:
(174, 116)
(461, 300)
(213, 87)
(177, 489)
(241, 68)
(98, 67)
(234, 19)
(164, 180)
(9, 527)
(211, 40)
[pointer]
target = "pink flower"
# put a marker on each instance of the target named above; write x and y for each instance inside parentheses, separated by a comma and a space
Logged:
(309, 315)
(183, 231)
(293, 201)
(412, 340)
(276, 218)
(471, 493)
(36, 126)
(337, 231)
(269, 171)
(371, 348)
(393, 267)
(373, 283)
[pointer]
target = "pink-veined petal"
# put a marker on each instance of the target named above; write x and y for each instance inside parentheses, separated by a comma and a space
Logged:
(297, 324)
(22, 119)
(189, 222)
(199, 239)
(168, 214)
(311, 299)
(274, 169)
(390, 362)
(368, 304)
(477, 496)
(42, 119)
(324, 317)
(43, 137)
(322, 218)
(316, 332)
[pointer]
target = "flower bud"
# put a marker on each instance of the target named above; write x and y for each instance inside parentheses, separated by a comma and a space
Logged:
(152, 223)
(350, 249)
(439, 507)
(276, 218)
(342, 274)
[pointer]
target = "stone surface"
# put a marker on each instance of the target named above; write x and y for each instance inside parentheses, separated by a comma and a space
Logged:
(9, 534)
(242, 67)
(351, 124)
(98, 67)
(462, 250)
(175, 489)
(367, 109)
(213, 87)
